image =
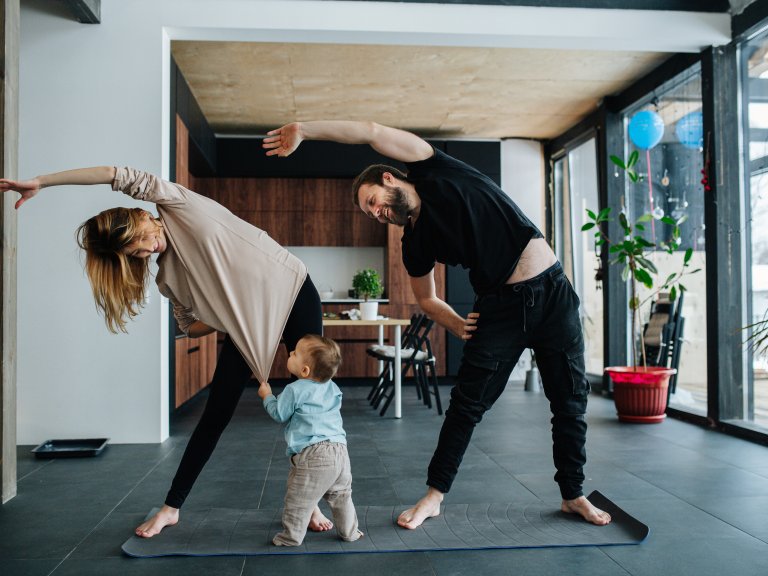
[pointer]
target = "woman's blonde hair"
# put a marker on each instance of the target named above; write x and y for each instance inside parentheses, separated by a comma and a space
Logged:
(119, 281)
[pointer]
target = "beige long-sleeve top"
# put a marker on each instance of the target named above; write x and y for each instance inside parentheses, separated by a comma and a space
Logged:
(220, 269)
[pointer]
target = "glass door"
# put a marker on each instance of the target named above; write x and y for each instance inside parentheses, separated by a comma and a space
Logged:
(576, 190)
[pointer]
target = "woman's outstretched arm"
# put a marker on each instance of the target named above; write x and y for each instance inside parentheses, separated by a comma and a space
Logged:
(81, 176)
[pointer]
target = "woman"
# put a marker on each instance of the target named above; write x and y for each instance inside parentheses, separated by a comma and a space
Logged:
(219, 272)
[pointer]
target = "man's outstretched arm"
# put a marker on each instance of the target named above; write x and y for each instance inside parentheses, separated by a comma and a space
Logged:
(390, 142)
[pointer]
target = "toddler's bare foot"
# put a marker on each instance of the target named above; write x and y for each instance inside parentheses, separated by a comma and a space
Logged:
(584, 507)
(167, 516)
(427, 507)
(318, 522)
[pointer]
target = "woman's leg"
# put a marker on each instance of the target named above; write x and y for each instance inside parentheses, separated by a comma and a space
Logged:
(229, 379)
(306, 316)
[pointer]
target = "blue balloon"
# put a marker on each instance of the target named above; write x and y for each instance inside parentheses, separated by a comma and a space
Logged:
(690, 130)
(646, 129)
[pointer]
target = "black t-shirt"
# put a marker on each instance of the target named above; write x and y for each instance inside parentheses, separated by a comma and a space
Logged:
(465, 219)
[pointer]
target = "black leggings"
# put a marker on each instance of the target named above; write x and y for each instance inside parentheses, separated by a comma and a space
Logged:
(229, 380)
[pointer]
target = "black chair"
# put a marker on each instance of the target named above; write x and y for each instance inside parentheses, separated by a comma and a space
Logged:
(416, 353)
(385, 354)
(427, 375)
(663, 334)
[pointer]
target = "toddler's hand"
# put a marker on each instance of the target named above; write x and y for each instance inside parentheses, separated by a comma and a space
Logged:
(264, 390)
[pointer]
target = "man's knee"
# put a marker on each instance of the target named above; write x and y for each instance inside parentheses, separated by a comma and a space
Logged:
(464, 409)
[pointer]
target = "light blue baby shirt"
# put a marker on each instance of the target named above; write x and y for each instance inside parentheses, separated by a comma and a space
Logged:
(312, 411)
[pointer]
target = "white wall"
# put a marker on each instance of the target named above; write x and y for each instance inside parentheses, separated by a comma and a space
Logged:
(332, 267)
(89, 95)
(522, 177)
(98, 94)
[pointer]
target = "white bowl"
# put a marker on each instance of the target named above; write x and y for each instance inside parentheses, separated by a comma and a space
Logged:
(326, 294)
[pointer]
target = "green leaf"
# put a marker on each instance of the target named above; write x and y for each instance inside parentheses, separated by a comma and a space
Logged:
(669, 278)
(587, 226)
(618, 161)
(669, 220)
(591, 214)
(643, 242)
(640, 227)
(603, 215)
(633, 175)
(625, 274)
(647, 264)
(623, 223)
(688, 254)
(643, 276)
(633, 158)
(634, 303)
(645, 217)
(672, 294)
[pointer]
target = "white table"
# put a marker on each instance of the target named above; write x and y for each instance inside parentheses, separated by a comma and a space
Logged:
(396, 324)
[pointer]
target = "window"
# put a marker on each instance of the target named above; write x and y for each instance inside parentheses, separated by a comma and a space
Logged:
(667, 131)
(754, 81)
(576, 189)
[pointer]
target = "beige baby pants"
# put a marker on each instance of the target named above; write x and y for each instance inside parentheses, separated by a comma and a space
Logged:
(319, 471)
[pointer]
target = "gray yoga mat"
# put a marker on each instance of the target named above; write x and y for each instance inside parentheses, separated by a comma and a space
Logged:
(228, 532)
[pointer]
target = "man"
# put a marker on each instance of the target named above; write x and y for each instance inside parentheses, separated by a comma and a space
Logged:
(453, 214)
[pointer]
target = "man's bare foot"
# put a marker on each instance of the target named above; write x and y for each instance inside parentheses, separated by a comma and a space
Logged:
(427, 507)
(584, 507)
(318, 522)
(167, 516)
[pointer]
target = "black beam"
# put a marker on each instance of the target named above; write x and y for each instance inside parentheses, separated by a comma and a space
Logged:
(725, 374)
(652, 81)
(85, 11)
(750, 20)
(612, 191)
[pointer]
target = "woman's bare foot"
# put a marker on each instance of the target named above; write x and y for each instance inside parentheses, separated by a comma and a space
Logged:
(167, 516)
(427, 507)
(586, 510)
(318, 522)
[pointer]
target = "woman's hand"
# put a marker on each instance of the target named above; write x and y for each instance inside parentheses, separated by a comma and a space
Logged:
(27, 188)
(283, 141)
(470, 325)
(264, 390)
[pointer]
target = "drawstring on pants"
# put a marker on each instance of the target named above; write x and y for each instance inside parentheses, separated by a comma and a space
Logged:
(528, 298)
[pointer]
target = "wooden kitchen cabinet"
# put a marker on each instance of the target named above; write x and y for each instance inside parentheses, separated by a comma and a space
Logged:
(195, 363)
(297, 211)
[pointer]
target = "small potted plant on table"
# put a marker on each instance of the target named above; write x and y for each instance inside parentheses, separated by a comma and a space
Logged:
(640, 391)
(367, 284)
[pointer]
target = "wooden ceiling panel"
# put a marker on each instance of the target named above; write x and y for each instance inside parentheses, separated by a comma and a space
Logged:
(251, 87)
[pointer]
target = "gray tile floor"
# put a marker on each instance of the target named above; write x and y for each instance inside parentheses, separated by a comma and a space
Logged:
(703, 494)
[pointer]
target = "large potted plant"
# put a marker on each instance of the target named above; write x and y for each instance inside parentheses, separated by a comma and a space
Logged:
(367, 284)
(640, 391)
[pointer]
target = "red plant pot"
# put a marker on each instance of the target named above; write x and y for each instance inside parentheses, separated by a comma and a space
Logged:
(640, 394)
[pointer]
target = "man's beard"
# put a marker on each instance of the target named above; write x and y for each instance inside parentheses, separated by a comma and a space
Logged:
(397, 206)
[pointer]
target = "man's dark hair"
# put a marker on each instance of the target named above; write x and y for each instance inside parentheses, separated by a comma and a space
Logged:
(374, 175)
